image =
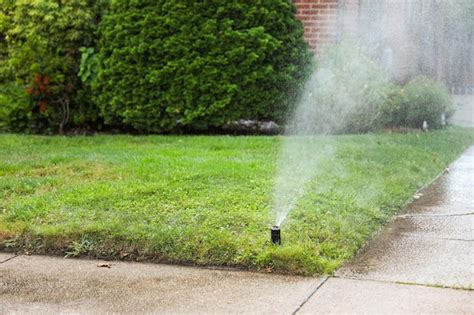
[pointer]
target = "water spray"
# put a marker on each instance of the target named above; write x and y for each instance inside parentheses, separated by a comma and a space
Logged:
(276, 235)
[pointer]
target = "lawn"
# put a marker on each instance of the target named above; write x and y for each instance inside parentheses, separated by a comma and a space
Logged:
(206, 200)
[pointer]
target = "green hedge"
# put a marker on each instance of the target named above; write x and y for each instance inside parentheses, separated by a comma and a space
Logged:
(179, 65)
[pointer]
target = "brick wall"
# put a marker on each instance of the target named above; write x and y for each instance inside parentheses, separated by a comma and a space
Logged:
(319, 18)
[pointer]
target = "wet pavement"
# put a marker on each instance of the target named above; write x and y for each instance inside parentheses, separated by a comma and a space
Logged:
(41, 284)
(346, 296)
(432, 241)
(422, 262)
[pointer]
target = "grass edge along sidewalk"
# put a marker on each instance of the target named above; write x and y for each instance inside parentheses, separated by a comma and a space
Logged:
(206, 200)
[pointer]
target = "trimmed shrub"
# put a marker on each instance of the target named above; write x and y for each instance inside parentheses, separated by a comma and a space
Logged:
(172, 65)
(421, 99)
(40, 42)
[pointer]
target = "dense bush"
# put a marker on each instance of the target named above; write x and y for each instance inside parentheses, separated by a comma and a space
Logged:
(39, 48)
(421, 99)
(345, 94)
(175, 64)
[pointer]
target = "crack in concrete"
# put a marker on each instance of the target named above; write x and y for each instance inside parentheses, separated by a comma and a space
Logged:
(455, 239)
(8, 259)
(437, 286)
(437, 238)
(405, 216)
(310, 296)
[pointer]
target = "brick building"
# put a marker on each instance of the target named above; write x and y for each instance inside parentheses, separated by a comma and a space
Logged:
(417, 34)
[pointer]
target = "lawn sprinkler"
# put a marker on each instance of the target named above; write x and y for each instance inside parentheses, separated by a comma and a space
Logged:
(425, 126)
(276, 235)
(443, 119)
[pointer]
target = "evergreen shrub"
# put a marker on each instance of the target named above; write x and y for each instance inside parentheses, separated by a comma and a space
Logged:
(193, 65)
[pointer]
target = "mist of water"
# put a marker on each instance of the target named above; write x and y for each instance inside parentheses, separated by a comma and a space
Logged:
(335, 94)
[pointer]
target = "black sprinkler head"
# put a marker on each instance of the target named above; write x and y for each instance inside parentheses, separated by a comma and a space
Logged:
(276, 235)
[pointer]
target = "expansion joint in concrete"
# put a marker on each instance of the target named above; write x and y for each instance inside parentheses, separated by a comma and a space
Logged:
(8, 259)
(310, 295)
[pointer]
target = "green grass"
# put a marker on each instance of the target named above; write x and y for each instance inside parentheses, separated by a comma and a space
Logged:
(206, 200)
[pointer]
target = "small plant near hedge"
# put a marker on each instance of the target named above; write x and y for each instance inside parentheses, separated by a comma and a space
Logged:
(421, 99)
(179, 65)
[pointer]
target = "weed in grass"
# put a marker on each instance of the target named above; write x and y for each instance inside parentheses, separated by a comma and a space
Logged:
(79, 248)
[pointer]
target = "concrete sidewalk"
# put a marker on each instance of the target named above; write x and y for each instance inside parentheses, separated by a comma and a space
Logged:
(423, 262)
(38, 284)
(418, 260)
